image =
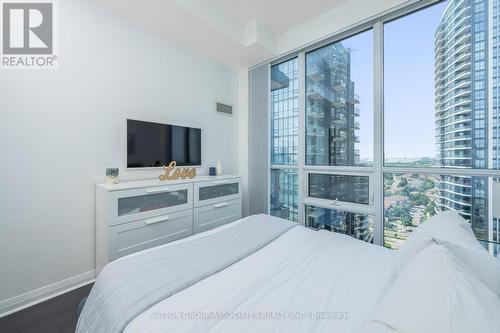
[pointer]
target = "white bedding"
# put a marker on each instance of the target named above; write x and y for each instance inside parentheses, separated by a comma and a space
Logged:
(127, 287)
(300, 274)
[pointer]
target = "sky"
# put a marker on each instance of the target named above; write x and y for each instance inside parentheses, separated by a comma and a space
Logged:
(408, 85)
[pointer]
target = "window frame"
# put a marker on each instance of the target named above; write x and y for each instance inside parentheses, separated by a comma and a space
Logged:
(340, 205)
(377, 171)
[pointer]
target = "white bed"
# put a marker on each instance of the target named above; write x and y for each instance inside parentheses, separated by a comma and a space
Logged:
(300, 273)
(301, 280)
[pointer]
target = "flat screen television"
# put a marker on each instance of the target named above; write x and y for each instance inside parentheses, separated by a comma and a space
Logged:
(152, 145)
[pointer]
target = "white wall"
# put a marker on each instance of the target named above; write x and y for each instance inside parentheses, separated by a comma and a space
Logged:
(60, 129)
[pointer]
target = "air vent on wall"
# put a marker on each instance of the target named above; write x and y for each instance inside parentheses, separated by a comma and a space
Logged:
(223, 108)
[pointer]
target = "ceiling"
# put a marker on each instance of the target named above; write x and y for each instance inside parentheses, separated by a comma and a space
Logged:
(238, 33)
(277, 15)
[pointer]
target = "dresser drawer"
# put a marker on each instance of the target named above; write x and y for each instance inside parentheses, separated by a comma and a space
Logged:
(214, 191)
(132, 205)
(135, 236)
(214, 215)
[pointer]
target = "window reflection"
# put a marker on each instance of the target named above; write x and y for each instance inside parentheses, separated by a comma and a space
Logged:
(359, 226)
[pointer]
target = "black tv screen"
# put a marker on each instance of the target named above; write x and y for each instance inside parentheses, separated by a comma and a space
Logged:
(155, 145)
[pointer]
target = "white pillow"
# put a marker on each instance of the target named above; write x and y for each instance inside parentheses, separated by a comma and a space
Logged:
(480, 263)
(448, 226)
(451, 230)
(437, 294)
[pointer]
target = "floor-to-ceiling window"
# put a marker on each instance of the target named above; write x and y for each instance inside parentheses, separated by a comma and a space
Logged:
(376, 131)
(440, 115)
(338, 124)
(284, 140)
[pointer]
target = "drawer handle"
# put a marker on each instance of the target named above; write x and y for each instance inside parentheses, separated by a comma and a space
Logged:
(222, 204)
(157, 219)
(221, 182)
(157, 190)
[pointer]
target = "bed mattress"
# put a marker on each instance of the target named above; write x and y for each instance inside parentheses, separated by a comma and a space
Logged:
(303, 281)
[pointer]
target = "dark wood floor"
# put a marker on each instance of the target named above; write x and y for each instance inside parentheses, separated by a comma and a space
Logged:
(57, 315)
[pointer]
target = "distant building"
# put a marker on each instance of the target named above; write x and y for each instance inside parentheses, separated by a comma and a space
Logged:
(467, 108)
(331, 109)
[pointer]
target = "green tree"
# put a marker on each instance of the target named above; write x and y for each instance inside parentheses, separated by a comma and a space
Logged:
(406, 220)
(429, 184)
(430, 209)
(419, 199)
(404, 192)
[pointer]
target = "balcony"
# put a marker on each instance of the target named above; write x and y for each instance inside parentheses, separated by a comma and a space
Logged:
(315, 132)
(456, 191)
(316, 114)
(451, 183)
(447, 114)
(316, 75)
(339, 102)
(338, 138)
(452, 95)
(455, 154)
(316, 93)
(338, 86)
(453, 129)
(452, 206)
(345, 137)
(354, 100)
(451, 121)
(456, 199)
(279, 80)
(340, 121)
(456, 136)
(456, 147)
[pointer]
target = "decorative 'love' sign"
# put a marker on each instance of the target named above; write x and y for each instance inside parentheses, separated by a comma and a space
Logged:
(173, 173)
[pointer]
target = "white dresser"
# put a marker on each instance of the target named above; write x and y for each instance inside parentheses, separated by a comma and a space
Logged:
(136, 215)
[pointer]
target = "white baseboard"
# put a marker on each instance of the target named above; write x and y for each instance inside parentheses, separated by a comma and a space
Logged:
(39, 295)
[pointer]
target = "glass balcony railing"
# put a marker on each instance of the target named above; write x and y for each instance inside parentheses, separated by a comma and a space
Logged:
(315, 73)
(339, 102)
(466, 135)
(354, 99)
(316, 112)
(339, 86)
(316, 93)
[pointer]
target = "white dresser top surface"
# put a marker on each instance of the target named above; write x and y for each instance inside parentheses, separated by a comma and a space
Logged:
(127, 185)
